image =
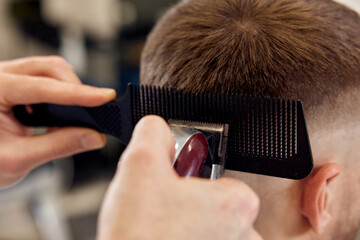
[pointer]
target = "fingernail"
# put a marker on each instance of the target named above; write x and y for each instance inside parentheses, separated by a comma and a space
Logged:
(109, 92)
(92, 141)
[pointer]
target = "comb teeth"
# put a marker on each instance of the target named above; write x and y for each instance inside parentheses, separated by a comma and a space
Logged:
(265, 127)
(258, 127)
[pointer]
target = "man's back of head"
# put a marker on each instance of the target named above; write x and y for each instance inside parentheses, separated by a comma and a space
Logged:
(305, 49)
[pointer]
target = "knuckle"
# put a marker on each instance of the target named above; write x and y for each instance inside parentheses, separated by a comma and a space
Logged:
(252, 205)
(239, 198)
(32, 60)
(152, 120)
(58, 61)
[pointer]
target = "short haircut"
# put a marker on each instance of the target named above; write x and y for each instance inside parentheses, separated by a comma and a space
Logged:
(299, 49)
(304, 49)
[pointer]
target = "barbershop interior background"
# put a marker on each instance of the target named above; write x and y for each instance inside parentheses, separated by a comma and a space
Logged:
(103, 40)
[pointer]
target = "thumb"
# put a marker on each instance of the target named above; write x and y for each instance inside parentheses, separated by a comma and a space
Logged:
(36, 150)
(151, 148)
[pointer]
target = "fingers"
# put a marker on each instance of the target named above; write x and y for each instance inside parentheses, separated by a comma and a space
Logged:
(29, 90)
(31, 80)
(239, 207)
(152, 148)
(50, 66)
(144, 193)
(39, 149)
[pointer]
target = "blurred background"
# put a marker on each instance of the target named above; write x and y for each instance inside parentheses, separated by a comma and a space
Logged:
(103, 40)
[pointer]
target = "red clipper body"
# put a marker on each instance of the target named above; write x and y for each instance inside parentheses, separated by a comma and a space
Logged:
(192, 147)
(191, 151)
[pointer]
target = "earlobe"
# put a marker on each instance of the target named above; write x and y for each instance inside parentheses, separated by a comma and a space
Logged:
(314, 199)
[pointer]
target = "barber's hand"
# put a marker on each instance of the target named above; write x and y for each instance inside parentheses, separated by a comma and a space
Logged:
(36, 80)
(147, 200)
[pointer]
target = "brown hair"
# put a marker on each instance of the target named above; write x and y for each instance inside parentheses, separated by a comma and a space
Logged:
(300, 49)
(306, 49)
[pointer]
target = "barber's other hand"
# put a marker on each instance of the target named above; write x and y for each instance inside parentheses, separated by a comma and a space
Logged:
(36, 80)
(148, 200)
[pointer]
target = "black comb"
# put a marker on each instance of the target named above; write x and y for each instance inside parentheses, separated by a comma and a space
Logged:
(266, 136)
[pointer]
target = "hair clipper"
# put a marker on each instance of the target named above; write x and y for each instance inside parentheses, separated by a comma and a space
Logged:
(199, 146)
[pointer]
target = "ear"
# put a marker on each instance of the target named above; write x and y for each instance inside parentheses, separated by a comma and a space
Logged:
(314, 200)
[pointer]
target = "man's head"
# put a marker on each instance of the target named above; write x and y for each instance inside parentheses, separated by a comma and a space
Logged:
(305, 49)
